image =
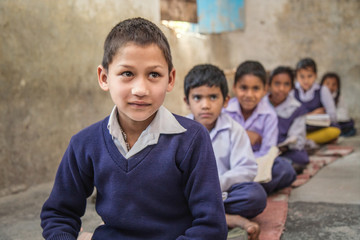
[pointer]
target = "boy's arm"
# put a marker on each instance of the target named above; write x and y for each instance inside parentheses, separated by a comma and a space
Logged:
(243, 167)
(254, 137)
(298, 129)
(270, 135)
(202, 190)
(60, 215)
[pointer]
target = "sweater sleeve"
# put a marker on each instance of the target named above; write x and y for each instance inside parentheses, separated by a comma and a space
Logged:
(60, 215)
(202, 190)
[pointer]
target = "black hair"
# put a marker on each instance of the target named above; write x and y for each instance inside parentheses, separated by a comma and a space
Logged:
(336, 76)
(250, 68)
(205, 74)
(306, 63)
(139, 31)
(283, 69)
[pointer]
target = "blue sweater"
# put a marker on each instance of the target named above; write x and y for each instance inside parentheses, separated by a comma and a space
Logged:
(167, 191)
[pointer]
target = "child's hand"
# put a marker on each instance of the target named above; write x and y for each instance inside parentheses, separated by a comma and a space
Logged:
(320, 110)
(254, 137)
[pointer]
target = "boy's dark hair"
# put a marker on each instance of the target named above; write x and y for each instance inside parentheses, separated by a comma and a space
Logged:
(250, 68)
(205, 74)
(283, 69)
(336, 76)
(135, 30)
(306, 63)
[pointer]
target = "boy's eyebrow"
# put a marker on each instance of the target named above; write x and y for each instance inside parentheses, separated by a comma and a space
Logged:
(131, 66)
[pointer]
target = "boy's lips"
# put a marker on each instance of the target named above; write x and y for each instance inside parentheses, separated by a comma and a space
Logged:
(139, 104)
(205, 115)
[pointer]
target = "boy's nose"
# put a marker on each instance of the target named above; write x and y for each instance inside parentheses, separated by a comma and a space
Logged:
(139, 88)
(205, 103)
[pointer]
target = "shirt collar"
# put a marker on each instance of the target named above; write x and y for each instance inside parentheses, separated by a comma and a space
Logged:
(163, 123)
(309, 94)
(286, 108)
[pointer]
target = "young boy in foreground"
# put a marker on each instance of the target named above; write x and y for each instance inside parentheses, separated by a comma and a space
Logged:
(206, 93)
(155, 172)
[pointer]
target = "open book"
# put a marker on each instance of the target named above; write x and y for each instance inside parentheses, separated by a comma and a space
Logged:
(288, 141)
(265, 164)
(319, 120)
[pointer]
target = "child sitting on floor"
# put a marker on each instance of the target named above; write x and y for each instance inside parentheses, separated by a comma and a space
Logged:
(259, 119)
(316, 99)
(206, 93)
(155, 172)
(291, 117)
(347, 126)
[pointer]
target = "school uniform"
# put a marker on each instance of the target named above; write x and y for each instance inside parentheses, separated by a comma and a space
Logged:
(264, 122)
(165, 187)
(291, 117)
(318, 96)
(237, 168)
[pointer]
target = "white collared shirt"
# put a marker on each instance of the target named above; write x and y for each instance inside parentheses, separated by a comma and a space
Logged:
(298, 127)
(234, 157)
(163, 123)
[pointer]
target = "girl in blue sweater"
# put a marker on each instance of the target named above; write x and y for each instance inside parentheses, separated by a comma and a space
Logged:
(155, 172)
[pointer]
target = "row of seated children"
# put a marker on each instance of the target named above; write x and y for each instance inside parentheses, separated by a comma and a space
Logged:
(267, 119)
(238, 135)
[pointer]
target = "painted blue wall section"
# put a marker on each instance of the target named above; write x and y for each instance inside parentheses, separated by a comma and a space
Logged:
(216, 16)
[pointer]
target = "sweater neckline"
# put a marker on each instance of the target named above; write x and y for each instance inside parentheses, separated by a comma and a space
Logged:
(124, 164)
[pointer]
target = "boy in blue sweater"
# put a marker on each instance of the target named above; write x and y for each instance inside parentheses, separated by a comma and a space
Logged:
(155, 172)
(206, 93)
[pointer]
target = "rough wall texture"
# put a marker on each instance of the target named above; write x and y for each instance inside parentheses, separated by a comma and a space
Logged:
(50, 50)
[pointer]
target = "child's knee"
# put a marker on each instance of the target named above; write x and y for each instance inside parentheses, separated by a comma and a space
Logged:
(324, 135)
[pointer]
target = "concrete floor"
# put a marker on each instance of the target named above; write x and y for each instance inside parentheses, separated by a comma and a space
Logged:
(326, 207)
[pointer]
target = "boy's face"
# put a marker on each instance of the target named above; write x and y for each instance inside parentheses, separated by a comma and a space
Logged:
(331, 83)
(249, 91)
(206, 103)
(306, 78)
(280, 88)
(137, 79)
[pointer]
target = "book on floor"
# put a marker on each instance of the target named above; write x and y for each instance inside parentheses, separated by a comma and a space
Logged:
(319, 120)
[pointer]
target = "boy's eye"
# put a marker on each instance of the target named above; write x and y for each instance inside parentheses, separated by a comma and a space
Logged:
(213, 97)
(154, 75)
(196, 98)
(127, 74)
(242, 87)
(256, 88)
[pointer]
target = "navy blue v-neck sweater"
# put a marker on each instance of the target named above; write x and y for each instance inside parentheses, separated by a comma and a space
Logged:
(169, 190)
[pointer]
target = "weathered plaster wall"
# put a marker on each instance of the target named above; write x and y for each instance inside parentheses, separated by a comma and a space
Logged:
(49, 51)
(282, 32)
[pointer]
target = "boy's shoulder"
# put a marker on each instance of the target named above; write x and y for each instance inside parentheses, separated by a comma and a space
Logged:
(188, 124)
(92, 131)
(265, 108)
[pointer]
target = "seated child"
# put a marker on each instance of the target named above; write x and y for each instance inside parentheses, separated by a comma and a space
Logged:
(259, 119)
(155, 172)
(206, 93)
(316, 99)
(291, 116)
(347, 126)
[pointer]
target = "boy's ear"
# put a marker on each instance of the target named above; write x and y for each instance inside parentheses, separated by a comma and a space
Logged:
(226, 101)
(171, 82)
(102, 78)
(186, 101)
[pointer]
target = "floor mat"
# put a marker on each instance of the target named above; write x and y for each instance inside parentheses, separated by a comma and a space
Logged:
(272, 220)
(321, 158)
